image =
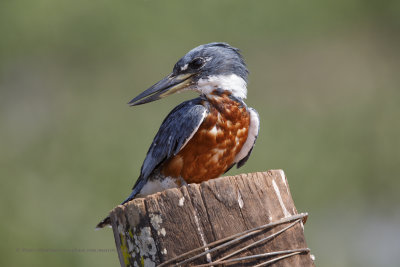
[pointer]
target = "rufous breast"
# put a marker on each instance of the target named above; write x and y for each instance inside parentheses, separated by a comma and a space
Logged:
(212, 149)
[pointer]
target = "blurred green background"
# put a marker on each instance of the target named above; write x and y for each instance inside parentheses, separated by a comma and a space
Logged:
(324, 78)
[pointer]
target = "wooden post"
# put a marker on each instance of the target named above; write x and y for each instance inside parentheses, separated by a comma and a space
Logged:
(153, 230)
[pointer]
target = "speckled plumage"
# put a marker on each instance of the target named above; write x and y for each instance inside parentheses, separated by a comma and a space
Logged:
(202, 138)
(212, 149)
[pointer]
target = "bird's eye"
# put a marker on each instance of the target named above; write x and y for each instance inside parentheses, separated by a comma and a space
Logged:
(196, 63)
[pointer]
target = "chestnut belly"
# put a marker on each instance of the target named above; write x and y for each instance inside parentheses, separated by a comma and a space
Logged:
(212, 149)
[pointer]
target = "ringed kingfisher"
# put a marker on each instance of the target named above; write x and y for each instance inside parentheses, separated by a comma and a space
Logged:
(204, 137)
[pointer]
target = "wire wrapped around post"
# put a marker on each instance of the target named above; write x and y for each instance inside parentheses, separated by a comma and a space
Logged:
(248, 219)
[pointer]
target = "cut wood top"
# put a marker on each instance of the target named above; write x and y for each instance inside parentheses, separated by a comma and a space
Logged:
(152, 230)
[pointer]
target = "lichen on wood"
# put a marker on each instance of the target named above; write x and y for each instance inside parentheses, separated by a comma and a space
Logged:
(152, 230)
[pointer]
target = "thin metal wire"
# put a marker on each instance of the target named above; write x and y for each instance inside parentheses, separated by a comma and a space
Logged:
(252, 257)
(259, 241)
(217, 248)
(281, 258)
(228, 243)
(230, 240)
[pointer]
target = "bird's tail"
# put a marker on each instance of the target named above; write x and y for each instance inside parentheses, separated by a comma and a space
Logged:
(105, 222)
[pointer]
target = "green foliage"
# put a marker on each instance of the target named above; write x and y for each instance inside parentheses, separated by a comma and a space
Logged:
(323, 76)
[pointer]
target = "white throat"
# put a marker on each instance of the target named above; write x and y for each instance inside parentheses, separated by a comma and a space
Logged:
(233, 83)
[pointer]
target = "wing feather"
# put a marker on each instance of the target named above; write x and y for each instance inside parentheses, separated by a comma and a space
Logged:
(175, 131)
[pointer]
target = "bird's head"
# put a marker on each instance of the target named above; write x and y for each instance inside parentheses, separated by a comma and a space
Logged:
(203, 69)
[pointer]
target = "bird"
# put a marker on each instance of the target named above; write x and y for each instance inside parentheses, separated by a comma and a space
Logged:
(202, 138)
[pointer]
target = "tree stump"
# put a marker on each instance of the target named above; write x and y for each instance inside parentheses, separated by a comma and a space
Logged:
(215, 219)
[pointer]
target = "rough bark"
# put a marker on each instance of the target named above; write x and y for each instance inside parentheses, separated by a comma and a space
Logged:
(152, 230)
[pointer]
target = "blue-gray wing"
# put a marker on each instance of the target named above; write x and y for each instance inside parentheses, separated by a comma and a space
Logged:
(175, 131)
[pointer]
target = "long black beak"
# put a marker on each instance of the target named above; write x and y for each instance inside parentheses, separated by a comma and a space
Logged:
(163, 88)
